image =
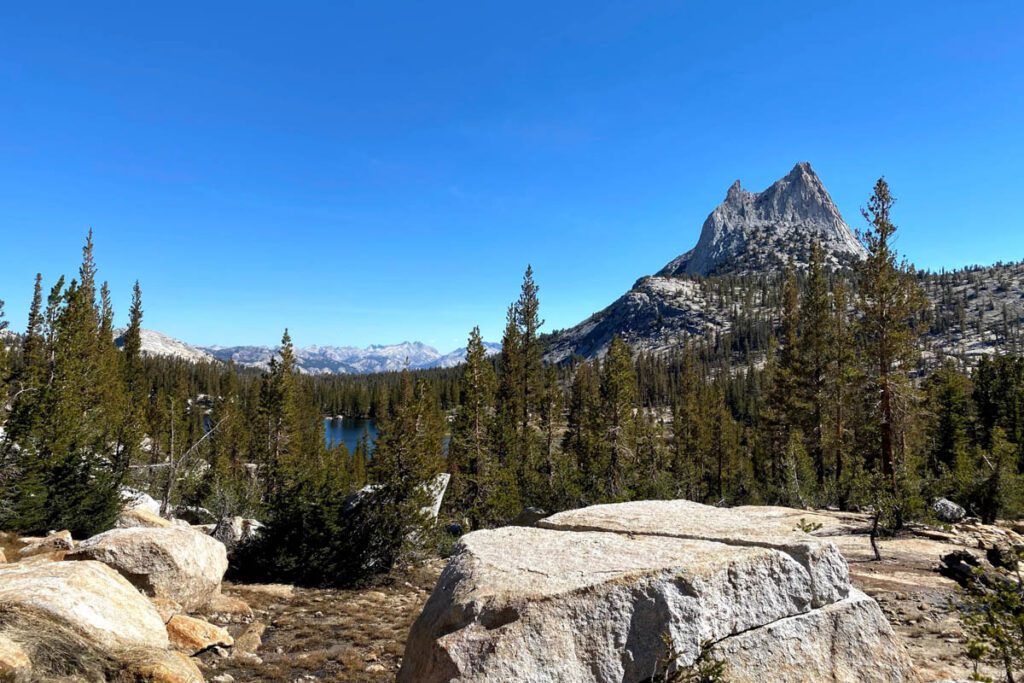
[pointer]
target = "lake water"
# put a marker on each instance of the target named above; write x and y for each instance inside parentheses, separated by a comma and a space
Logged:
(348, 430)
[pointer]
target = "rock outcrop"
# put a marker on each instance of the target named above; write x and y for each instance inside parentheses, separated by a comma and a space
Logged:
(175, 563)
(87, 604)
(593, 594)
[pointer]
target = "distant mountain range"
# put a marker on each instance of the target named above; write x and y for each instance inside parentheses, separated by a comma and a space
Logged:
(312, 359)
(718, 287)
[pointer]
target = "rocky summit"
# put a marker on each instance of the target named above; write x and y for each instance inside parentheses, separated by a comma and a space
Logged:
(724, 285)
(755, 231)
(626, 592)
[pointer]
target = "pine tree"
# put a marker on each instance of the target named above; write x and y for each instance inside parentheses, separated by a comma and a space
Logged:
(618, 412)
(33, 345)
(686, 429)
(360, 461)
(784, 410)
(509, 404)
(479, 487)
(841, 377)
(3, 363)
(406, 460)
(132, 347)
(291, 433)
(531, 382)
(69, 461)
(890, 304)
(815, 351)
(582, 440)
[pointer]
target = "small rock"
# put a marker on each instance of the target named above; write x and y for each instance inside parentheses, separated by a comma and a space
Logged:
(230, 607)
(141, 517)
(250, 640)
(948, 511)
(375, 669)
(223, 678)
(57, 541)
(15, 665)
(163, 666)
(192, 636)
(529, 517)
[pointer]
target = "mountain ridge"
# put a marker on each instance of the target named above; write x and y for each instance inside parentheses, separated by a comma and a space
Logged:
(313, 359)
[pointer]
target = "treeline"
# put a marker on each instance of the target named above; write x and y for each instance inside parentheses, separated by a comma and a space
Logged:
(822, 401)
(820, 398)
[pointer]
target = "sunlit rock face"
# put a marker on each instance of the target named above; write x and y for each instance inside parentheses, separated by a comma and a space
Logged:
(599, 595)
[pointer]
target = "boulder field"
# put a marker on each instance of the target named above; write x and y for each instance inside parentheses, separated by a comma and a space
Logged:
(624, 592)
(114, 607)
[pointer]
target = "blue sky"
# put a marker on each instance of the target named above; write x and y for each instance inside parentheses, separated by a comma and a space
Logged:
(373, 172)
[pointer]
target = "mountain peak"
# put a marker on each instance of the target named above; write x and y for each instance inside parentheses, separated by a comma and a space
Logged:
(759, 231)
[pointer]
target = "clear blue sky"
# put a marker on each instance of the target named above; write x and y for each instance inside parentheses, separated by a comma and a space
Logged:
(372, 171)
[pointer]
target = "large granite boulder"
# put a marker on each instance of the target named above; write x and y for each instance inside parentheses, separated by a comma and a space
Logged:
(948, 511)
(827, 571)
(78, 605)
(605, 594)
(176, 563)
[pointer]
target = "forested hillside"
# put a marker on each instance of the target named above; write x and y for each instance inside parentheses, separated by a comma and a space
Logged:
(815, 387)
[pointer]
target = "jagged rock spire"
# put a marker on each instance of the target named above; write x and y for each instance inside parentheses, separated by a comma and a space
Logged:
(759, 231)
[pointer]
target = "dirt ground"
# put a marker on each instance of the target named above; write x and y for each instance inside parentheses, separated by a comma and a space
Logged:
(326, 635)
(359, 635)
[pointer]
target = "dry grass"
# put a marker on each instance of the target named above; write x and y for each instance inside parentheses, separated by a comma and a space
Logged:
(330, 635)
(11, 546)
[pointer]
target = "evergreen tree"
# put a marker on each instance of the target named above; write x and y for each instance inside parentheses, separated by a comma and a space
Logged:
(582, 439)
(816, 348)
(532, 382)
(291, 433)
(686, 430)
(69, 461)
(478, 487)
(841, 377)
(3, 363)
(132, 347)
(890, 304)
(406, 460)
(618, 412)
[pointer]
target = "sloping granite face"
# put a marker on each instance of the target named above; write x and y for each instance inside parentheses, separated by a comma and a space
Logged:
(828, 571)
(756, 231)
(847, 642)
(593, 596)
